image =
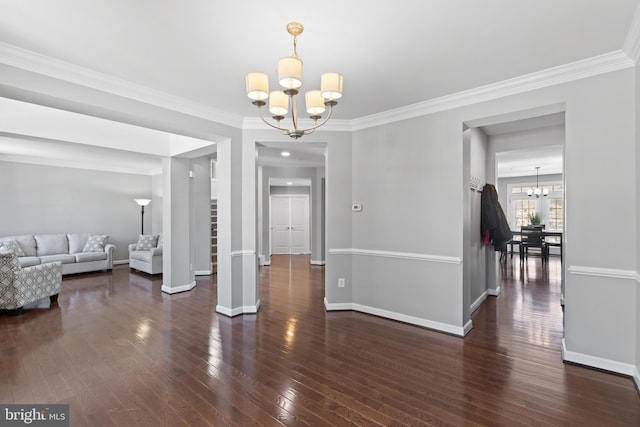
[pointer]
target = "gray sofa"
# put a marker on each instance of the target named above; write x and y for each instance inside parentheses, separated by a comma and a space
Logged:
(70, 249)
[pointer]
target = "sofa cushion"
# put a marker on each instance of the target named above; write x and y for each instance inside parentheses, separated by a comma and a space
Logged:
(12, 246)
(64, 258)
(147, 241)
(26, 241)
(141, 255)
(51, 244)
(95, 243)
(90, 256)
(160, 242)
(77, 242)
(28, 261)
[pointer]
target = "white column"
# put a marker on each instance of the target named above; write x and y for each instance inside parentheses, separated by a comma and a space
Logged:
(177, 275)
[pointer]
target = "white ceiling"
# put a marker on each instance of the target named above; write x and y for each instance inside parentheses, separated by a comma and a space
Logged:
(392, 54)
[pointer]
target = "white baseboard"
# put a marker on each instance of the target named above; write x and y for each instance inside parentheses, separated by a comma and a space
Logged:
(231, 312)
(337, 306)
(467, 327)
(477, 303)
(176, 289)
(251, 309)
(599, 362)
(494, 292)
(636, 379)
(228, 311)
(202, 272)
(317, 262)
(266, 263)
(121, 262)
(418, 321)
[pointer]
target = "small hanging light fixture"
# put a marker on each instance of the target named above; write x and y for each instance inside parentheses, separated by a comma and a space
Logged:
(537, 192)
(290, 79)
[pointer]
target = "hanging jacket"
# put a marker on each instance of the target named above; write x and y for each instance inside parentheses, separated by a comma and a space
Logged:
(494, 227)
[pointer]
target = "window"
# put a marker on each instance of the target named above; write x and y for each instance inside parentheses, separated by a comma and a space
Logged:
(521, 206)
(524, 208)
(556, 215)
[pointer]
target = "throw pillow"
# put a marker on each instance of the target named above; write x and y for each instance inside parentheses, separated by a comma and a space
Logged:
(146, 242)
(95, 243)
(12, 246)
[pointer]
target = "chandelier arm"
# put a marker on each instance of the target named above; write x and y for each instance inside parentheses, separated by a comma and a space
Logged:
(273, 126)
(311, 129)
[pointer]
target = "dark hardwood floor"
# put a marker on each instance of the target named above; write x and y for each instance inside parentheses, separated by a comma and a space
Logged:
(122, 353)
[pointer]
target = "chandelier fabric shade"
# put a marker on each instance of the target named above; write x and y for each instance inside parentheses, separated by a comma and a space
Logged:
(290, 73)
(331, 86)
(315, 102)
(278, 103)
(282, 102)
(257, 86)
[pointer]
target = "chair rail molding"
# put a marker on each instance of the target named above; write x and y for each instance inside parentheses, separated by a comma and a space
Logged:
(393, 254)
(612, 273)
(243, 252)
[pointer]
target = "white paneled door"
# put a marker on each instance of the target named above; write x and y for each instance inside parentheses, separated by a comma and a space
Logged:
(290, 224)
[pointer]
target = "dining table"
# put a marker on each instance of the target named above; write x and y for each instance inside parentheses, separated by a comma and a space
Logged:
(551, 238)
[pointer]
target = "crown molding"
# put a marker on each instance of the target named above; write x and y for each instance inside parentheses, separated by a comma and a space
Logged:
(333, 125)
(589, 67)
(632, 42)
(55, 68)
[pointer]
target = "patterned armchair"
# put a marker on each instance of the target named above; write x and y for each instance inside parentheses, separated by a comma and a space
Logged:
(20, 286)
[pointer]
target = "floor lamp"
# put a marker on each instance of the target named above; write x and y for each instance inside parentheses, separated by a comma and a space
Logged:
(142, 203)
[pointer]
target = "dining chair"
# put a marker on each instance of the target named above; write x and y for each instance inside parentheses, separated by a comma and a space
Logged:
(532, 238)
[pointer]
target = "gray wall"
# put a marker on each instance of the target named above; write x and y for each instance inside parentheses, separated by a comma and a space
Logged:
(201, 203)
(477, 258)
(407, 176)
(51, 199)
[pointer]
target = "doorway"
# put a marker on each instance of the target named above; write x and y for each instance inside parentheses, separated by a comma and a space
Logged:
(289, 217)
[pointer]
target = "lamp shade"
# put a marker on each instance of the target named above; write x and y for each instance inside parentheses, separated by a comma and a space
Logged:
(315, 102)
(143, 202)
(331, 86)
(257, 86)
(278, 103)
(290, 73)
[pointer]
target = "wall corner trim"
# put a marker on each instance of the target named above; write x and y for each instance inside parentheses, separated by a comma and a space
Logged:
(176, 289)
(632, 42)
(599, 362)
(317, 262)
(494, 292)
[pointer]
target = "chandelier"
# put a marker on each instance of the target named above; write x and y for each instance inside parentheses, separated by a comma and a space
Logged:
(290, 79)
(537, 192)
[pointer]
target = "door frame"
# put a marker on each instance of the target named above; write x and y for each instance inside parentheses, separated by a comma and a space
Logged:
(309, 218)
